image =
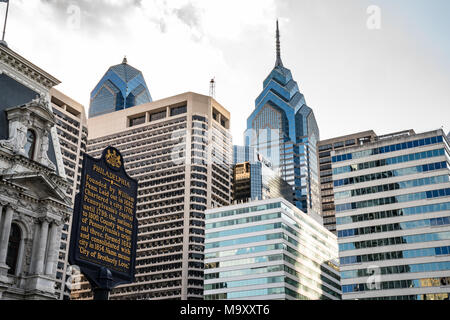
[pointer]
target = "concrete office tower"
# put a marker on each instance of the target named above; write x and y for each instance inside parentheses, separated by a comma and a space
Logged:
(324, 149)
(33, 202)
(284, 130)
(269, 250)
(255, 179)
(71, 125)
(392, 201)
(180, 151)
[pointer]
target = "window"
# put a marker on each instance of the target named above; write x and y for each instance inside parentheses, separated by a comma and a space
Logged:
(178, 110)
(31, 143)
(13, 249)
(137, 121)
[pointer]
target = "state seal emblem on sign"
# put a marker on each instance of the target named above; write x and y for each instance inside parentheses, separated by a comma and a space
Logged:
(113, 159)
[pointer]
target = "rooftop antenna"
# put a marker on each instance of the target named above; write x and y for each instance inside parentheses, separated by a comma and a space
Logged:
(279, 63)
(125, 60)
(3, 42)
(212, 88)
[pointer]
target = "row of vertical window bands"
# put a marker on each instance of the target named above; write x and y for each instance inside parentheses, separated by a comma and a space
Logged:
(130, 149)
(169, 250)
(71, 147)
(151, 152)
(435, 222)
(170, 157)
(159, 227)
(416, 238)
(217, 184)
(315, 283)
(433, 194)
(391, 174)
(161, 189)
(143, 213)
(152, 295)
(159, 243)
(152, 179)
(69, 128)
(398, 284)
(387, 149)
(222, 170)
(219, 193)
(145, 171)
(162, 234)
(154, 286)
(102, 143)
(161, 196)
(216, 202)
(394, 213)
(66, 118)
(414, 297)
(244, 294)
(394, 255)
(390, 161)
(159, 260)
(170, 202)
(392, 186)
(407, 268)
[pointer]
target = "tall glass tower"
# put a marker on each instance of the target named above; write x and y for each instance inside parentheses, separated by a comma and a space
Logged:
(120, 88)
(283, 128)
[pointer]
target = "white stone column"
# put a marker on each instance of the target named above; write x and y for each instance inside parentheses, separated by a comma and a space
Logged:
(40, 257)
(52, 250)
(1, 216)
(5, 235)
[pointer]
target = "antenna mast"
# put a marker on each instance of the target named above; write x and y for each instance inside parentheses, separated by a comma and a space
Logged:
(212, 88)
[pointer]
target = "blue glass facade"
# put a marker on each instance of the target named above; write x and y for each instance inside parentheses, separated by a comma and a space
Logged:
(120, 88)
(284, 130)
(262, 182)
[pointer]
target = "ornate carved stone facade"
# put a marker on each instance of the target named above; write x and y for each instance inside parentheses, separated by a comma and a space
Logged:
(33, 201)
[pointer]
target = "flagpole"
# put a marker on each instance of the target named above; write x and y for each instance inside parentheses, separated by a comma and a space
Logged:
(6, 19)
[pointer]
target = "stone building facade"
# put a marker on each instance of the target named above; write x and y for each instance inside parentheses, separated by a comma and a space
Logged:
(33, 201)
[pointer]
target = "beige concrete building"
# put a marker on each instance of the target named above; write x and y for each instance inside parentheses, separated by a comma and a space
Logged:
(180, 151)
(71, 126)
(324, 150)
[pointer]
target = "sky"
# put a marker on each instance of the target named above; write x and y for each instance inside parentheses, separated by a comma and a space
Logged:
(361, 64)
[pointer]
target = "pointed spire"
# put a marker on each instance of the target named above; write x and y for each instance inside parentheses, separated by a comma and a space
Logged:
(125, 61)
(279, 63)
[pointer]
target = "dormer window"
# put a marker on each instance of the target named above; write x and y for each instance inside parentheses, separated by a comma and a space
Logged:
(31, 144)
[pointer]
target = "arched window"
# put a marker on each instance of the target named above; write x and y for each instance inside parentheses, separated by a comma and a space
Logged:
(31, 142)
(13, 248)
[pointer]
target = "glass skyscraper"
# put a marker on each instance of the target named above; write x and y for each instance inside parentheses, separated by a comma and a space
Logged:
(122, 87)
(284, 130)
(269, 250)
(254, 178)
(392, 198)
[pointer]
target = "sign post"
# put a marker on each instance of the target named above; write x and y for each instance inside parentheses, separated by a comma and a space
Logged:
(104, 226)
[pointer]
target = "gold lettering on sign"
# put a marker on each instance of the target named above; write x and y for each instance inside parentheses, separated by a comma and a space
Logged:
(107, 219)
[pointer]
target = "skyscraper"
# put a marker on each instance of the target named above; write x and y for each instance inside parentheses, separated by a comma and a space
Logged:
(325, 147)
(267, 250)
(71, 126)
(120, 88)
(179, 149)
(392, 198)
(284, 130)
(254, 177)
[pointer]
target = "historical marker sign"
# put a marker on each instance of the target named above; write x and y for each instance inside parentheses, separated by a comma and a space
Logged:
(104, 227)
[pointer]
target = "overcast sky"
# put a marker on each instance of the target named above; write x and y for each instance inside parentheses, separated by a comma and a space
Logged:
(357, 72)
